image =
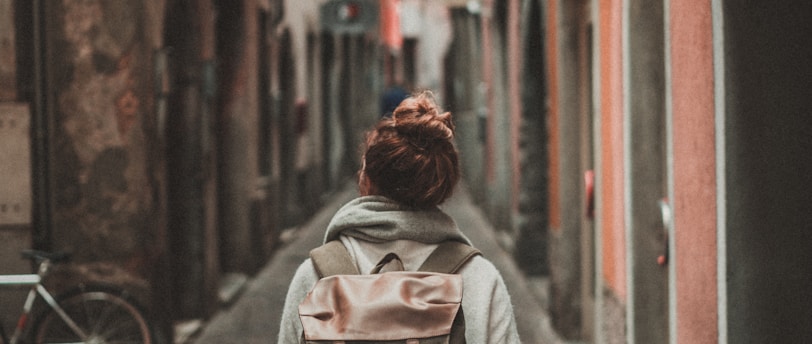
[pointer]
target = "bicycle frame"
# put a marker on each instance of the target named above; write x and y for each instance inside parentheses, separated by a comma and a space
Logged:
(34, 281)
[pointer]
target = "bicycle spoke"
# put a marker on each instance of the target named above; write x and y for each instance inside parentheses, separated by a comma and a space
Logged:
(107, 320)
(104, 317)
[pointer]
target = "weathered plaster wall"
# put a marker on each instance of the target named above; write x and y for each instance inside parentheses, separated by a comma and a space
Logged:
(694, 174)
(101, 86)
(611, 172)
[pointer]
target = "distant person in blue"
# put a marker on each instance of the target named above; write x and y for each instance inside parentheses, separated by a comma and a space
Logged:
(391, 98)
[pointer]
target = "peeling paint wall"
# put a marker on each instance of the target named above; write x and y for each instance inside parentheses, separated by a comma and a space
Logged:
(100, 86)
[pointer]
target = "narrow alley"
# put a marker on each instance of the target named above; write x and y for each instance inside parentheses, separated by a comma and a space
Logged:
(255, 316)
(638, 170)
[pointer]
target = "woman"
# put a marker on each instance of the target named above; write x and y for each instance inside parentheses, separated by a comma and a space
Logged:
(410, 166)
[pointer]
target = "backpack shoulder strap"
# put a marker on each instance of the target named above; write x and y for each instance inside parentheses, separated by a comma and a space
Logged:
(331, 259)
(449, 257)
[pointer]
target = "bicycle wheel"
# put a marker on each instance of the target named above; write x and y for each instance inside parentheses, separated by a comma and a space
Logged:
(104, 314)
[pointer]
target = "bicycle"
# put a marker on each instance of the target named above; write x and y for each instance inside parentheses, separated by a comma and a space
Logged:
(89, 313)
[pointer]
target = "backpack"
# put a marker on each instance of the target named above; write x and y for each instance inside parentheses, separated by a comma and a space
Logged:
(389, 305)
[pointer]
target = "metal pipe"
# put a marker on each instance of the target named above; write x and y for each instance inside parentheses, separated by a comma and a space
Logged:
(40, 138)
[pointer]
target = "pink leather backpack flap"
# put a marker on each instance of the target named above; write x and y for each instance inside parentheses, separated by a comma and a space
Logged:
(396, 306)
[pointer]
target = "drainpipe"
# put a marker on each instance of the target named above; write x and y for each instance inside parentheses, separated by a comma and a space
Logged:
(41, 125)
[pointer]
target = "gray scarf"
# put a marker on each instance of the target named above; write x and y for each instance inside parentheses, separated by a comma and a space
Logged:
(379, 219)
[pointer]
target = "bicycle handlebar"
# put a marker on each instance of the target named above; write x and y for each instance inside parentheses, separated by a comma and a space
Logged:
(38, 256)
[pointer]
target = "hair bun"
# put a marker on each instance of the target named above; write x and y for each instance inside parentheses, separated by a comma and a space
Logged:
(418, 120)
(410, 157)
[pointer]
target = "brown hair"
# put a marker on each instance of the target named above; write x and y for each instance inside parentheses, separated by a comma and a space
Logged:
(410, 157)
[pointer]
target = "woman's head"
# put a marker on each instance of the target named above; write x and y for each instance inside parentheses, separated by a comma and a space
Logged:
(409, 157)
